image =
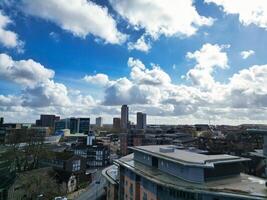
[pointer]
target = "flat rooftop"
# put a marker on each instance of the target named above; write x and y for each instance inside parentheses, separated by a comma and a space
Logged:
(242, 186)
(186, 157)
(111, 174)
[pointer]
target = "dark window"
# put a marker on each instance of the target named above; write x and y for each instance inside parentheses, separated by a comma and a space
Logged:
(154, 162)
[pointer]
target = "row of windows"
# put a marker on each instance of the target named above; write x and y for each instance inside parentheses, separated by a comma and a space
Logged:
(182, 194)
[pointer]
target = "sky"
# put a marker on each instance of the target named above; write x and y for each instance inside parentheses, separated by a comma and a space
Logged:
(181, 62)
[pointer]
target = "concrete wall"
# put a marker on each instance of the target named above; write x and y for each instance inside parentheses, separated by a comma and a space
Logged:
(193, 174)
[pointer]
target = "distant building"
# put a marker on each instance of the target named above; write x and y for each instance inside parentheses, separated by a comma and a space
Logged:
(164, 172)
(61, 124)
(140, 120)
(75, 125)
(47, 121)
(99, 121)
(1, 121)
(116, 123)
(83, 125)
(124, 116)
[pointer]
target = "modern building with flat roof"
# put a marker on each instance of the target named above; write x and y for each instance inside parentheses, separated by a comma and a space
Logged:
(165, 172)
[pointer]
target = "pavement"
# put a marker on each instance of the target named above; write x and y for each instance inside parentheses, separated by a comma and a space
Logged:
(95, 189)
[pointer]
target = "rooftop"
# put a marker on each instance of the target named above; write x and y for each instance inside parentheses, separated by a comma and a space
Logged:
(243, 185)
(186, 157)
(111, 174)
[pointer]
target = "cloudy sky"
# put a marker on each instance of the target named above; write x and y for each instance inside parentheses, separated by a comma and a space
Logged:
(180, 61)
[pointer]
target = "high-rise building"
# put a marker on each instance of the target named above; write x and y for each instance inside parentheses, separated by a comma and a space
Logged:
(116, 123)
(124, 116)
(140, 120)
(99, 121)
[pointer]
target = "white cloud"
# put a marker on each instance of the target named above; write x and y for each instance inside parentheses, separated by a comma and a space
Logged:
(25, 72)
(249, 11)
(140, 45)
(175, 18)
(98, 79)
(241, 99)
(8, 38)
(141, 75)
(80, 17)
(246, 54)
(46, 94)
(207, 59)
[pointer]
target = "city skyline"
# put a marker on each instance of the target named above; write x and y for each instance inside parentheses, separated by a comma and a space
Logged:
(209, 67)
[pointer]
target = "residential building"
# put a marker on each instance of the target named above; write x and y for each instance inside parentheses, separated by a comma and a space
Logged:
(124, 116)
(140, 120)
(99, 122)
(116, 123)
(164, 172)
(47, 121)
(112, 177)
(70, 168)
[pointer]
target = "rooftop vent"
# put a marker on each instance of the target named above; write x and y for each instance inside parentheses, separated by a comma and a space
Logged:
(166, 149)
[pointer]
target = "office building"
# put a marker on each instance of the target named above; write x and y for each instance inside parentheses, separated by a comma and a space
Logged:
(75, 125)
(116, 123)
(140, 120)
(124, 116)
(99, 122)
(83, 125)
(166, 172)
(61, 124)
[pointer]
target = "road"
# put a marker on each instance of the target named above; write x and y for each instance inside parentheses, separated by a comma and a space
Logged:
(94, 190)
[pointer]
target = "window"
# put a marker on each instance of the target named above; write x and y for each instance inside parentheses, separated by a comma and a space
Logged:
(76, 165)
(131, 189)
(144, 196)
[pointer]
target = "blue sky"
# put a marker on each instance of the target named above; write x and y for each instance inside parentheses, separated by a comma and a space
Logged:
(161, 80)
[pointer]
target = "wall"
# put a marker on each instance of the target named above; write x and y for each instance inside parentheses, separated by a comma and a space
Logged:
(193, 174)
(143, 158)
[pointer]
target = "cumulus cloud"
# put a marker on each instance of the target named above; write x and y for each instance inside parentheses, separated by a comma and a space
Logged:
(80, 17)
(46, 94)
(246, 54)
(207, 59)
(175, 18)
(151, 90)
(249, 11)
(140, 45)
(8, 38)
(25, 72)
(98, 79)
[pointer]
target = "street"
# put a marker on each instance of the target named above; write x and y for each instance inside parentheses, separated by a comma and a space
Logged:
(95, 189)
